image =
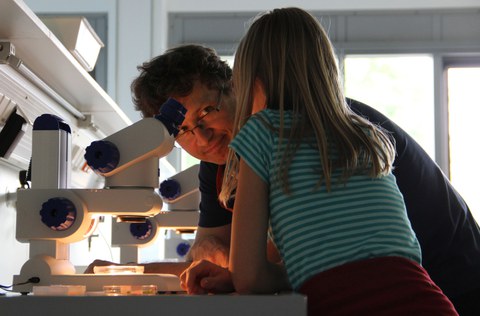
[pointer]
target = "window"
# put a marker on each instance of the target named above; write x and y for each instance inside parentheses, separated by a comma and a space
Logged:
(399, 86)
(463, 114)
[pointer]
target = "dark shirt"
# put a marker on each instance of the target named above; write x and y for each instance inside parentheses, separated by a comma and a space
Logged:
(212, 213)
(448, 234)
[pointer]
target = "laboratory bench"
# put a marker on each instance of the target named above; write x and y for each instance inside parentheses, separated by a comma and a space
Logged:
(169, 304)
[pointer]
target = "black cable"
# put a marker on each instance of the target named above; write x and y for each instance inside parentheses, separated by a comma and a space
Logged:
(33, 280)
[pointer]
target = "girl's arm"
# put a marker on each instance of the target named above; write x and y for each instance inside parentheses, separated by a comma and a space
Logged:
(251, 271)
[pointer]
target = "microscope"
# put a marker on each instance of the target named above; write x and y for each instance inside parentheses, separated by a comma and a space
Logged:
(51, 215)
(181, 195)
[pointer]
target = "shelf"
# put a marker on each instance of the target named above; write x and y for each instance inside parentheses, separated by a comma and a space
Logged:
(46, 56)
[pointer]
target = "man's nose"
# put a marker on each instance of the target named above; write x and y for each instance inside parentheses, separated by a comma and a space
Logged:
(202, 135)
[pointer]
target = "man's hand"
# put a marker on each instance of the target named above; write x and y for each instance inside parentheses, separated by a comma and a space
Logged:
(203, 277)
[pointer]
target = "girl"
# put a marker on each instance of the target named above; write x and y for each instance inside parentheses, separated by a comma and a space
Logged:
(319, 176)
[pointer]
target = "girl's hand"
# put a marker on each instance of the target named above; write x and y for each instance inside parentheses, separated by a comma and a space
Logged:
(203, 277)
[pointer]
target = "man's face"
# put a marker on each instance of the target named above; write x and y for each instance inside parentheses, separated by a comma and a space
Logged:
(211, 133)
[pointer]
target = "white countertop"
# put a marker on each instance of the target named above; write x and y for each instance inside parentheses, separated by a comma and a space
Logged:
(178, 305)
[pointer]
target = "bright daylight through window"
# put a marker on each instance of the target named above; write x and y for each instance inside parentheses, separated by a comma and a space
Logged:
(399, 86)
(464, 113)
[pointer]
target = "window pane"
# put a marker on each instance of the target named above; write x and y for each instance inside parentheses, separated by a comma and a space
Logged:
(464, 113)
(399, 86)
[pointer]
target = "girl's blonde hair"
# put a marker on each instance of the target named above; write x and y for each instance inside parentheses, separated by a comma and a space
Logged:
(291, 54)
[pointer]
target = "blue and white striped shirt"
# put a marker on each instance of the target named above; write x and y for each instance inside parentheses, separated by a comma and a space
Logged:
(316, 230)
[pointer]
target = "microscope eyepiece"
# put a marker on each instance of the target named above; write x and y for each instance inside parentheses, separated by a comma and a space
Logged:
(172, 114)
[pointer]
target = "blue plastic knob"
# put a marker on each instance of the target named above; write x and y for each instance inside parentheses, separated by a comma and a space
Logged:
(102, 156)
(141, 231)
(58, 213)
(183, 248)
(170, 189)
(172, 114)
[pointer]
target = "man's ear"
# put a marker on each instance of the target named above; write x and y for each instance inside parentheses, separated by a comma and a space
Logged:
(259, 97)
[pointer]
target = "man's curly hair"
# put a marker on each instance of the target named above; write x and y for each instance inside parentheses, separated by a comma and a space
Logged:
(174, 73)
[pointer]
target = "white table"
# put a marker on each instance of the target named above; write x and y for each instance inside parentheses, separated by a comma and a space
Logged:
(178, 305)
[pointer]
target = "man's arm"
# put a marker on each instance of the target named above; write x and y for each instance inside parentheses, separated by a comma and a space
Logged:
(212, 244)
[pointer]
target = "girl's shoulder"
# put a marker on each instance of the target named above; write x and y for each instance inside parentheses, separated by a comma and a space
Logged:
(273, 117)
(267, 114)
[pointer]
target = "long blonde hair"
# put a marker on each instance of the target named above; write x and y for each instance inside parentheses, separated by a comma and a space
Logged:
(289, 51)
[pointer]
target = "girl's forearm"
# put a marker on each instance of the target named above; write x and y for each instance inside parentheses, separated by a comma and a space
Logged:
(270, 279)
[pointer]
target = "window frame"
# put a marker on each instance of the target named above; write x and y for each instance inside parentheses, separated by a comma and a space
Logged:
(447, 35)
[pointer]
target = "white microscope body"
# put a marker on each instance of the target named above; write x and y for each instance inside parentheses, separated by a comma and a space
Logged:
(50, 215)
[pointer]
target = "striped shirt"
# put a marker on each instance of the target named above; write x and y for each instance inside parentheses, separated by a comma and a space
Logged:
(316, 230)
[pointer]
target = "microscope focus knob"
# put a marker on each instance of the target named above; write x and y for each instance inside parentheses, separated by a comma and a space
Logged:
(58, 213)
(141, 231)
(183, 248)
(102, 156)
(170, 189)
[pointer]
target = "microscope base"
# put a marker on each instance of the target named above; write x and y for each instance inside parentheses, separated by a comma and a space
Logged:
(51, 271)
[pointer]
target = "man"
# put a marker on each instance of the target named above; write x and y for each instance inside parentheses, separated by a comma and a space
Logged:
(196, 77)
